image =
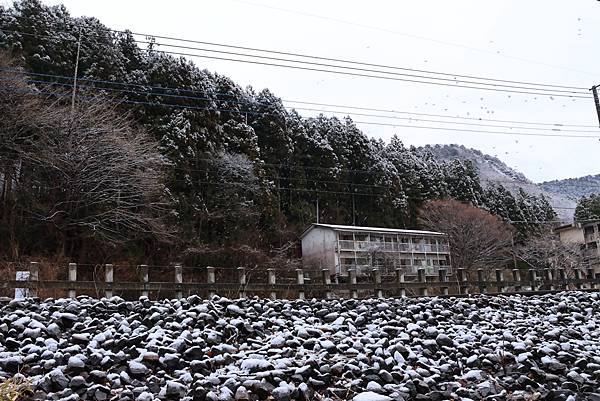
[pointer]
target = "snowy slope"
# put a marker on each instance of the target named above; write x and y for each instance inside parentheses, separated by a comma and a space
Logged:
(574, 188)
(493, 170)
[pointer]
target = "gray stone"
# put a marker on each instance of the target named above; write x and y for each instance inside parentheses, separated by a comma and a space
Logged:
(175, 390)
(137, 369)
(241, 394)
(444, 340)
(77, 382)
(58, 379)
(75, 363)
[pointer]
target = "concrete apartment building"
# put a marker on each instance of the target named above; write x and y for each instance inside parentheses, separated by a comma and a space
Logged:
(585, 234)
(340, 248)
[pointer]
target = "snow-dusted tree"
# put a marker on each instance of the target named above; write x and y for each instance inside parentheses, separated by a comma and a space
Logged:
(463, 183)
(588, 208)
(529, 214)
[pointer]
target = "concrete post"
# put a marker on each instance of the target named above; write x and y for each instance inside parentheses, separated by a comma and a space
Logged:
(500, 280)
(550, 278)
(72, 278)
(481, 281)
(352, 273)
(461, 276)
(211, 280)
(443, 278)
(517, 279)
(108, 279)
(242, 281)
(300, 278)
(377, 281)
(590, 277)
(562, 277)
(34, 277)
(400, 280)
(272, 281)
(578, 276)
(422, 278)
(143, 272)
(532, 279)
(178, 280)
(327, 282)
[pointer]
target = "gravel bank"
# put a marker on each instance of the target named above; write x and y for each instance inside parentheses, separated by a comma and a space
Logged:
(493, 348)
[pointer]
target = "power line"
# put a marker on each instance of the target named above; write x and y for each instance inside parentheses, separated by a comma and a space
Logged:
(494, 87)
(313, 57)
(324, 191)
(280, 178)
(145, 86)
(586, 96)
(325, 169)
(440, 115)
(497, 85)
(410, 119)
(159, 104)
(245, 185)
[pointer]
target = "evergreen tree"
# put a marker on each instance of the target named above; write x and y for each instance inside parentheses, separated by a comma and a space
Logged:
(588, 208)
(206, 123)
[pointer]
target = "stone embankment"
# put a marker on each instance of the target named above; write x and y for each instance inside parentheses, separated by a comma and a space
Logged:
(492, 348)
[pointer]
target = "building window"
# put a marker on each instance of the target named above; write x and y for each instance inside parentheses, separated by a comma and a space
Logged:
(376, 238)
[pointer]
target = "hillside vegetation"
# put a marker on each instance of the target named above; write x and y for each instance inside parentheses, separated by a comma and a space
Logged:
(241, 174)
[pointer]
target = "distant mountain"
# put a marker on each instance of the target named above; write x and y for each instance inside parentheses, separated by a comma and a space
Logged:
(494, 171)
(574, 188)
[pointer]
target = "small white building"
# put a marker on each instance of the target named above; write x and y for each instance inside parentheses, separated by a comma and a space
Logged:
(340, 248)
(586, 235)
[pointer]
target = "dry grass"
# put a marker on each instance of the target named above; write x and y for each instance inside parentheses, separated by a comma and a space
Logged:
(15, 388)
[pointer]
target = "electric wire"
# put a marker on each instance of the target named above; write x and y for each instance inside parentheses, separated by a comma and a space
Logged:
(306, 56)
(145, 88)
(494, 87)
(396, 125)
(289, 108)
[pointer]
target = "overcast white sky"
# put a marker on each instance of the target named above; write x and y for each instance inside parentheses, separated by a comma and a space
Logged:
(549, 41)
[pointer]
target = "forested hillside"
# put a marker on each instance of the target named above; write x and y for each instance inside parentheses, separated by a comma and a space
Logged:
(575, 188)
(243, 174)
(492, 171)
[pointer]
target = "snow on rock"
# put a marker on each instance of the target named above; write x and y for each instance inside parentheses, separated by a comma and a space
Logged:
(254, 364)
(482, 347)
(371, 396)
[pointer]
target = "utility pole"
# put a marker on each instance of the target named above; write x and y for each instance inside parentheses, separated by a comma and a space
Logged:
(75, 73)
(514, 257)
(594, 90)
(353, 210)
(317, 210)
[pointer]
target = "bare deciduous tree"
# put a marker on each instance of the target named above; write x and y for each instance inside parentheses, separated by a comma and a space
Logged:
(546, 251)
(83, 175)
(477, 238)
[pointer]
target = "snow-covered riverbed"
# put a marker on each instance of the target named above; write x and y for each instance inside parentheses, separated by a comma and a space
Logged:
(518, 348)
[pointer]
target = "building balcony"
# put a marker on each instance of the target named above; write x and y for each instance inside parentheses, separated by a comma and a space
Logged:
(370, 246)
(365, 270)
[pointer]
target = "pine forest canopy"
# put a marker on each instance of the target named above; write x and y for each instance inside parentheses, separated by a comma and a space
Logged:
(241, 169)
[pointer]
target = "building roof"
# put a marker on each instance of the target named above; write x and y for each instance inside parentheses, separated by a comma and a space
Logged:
(576, 224)
(379, 230)
(567, 227)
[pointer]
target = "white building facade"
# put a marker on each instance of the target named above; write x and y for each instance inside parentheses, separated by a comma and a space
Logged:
(586, 235)
(340, 248)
